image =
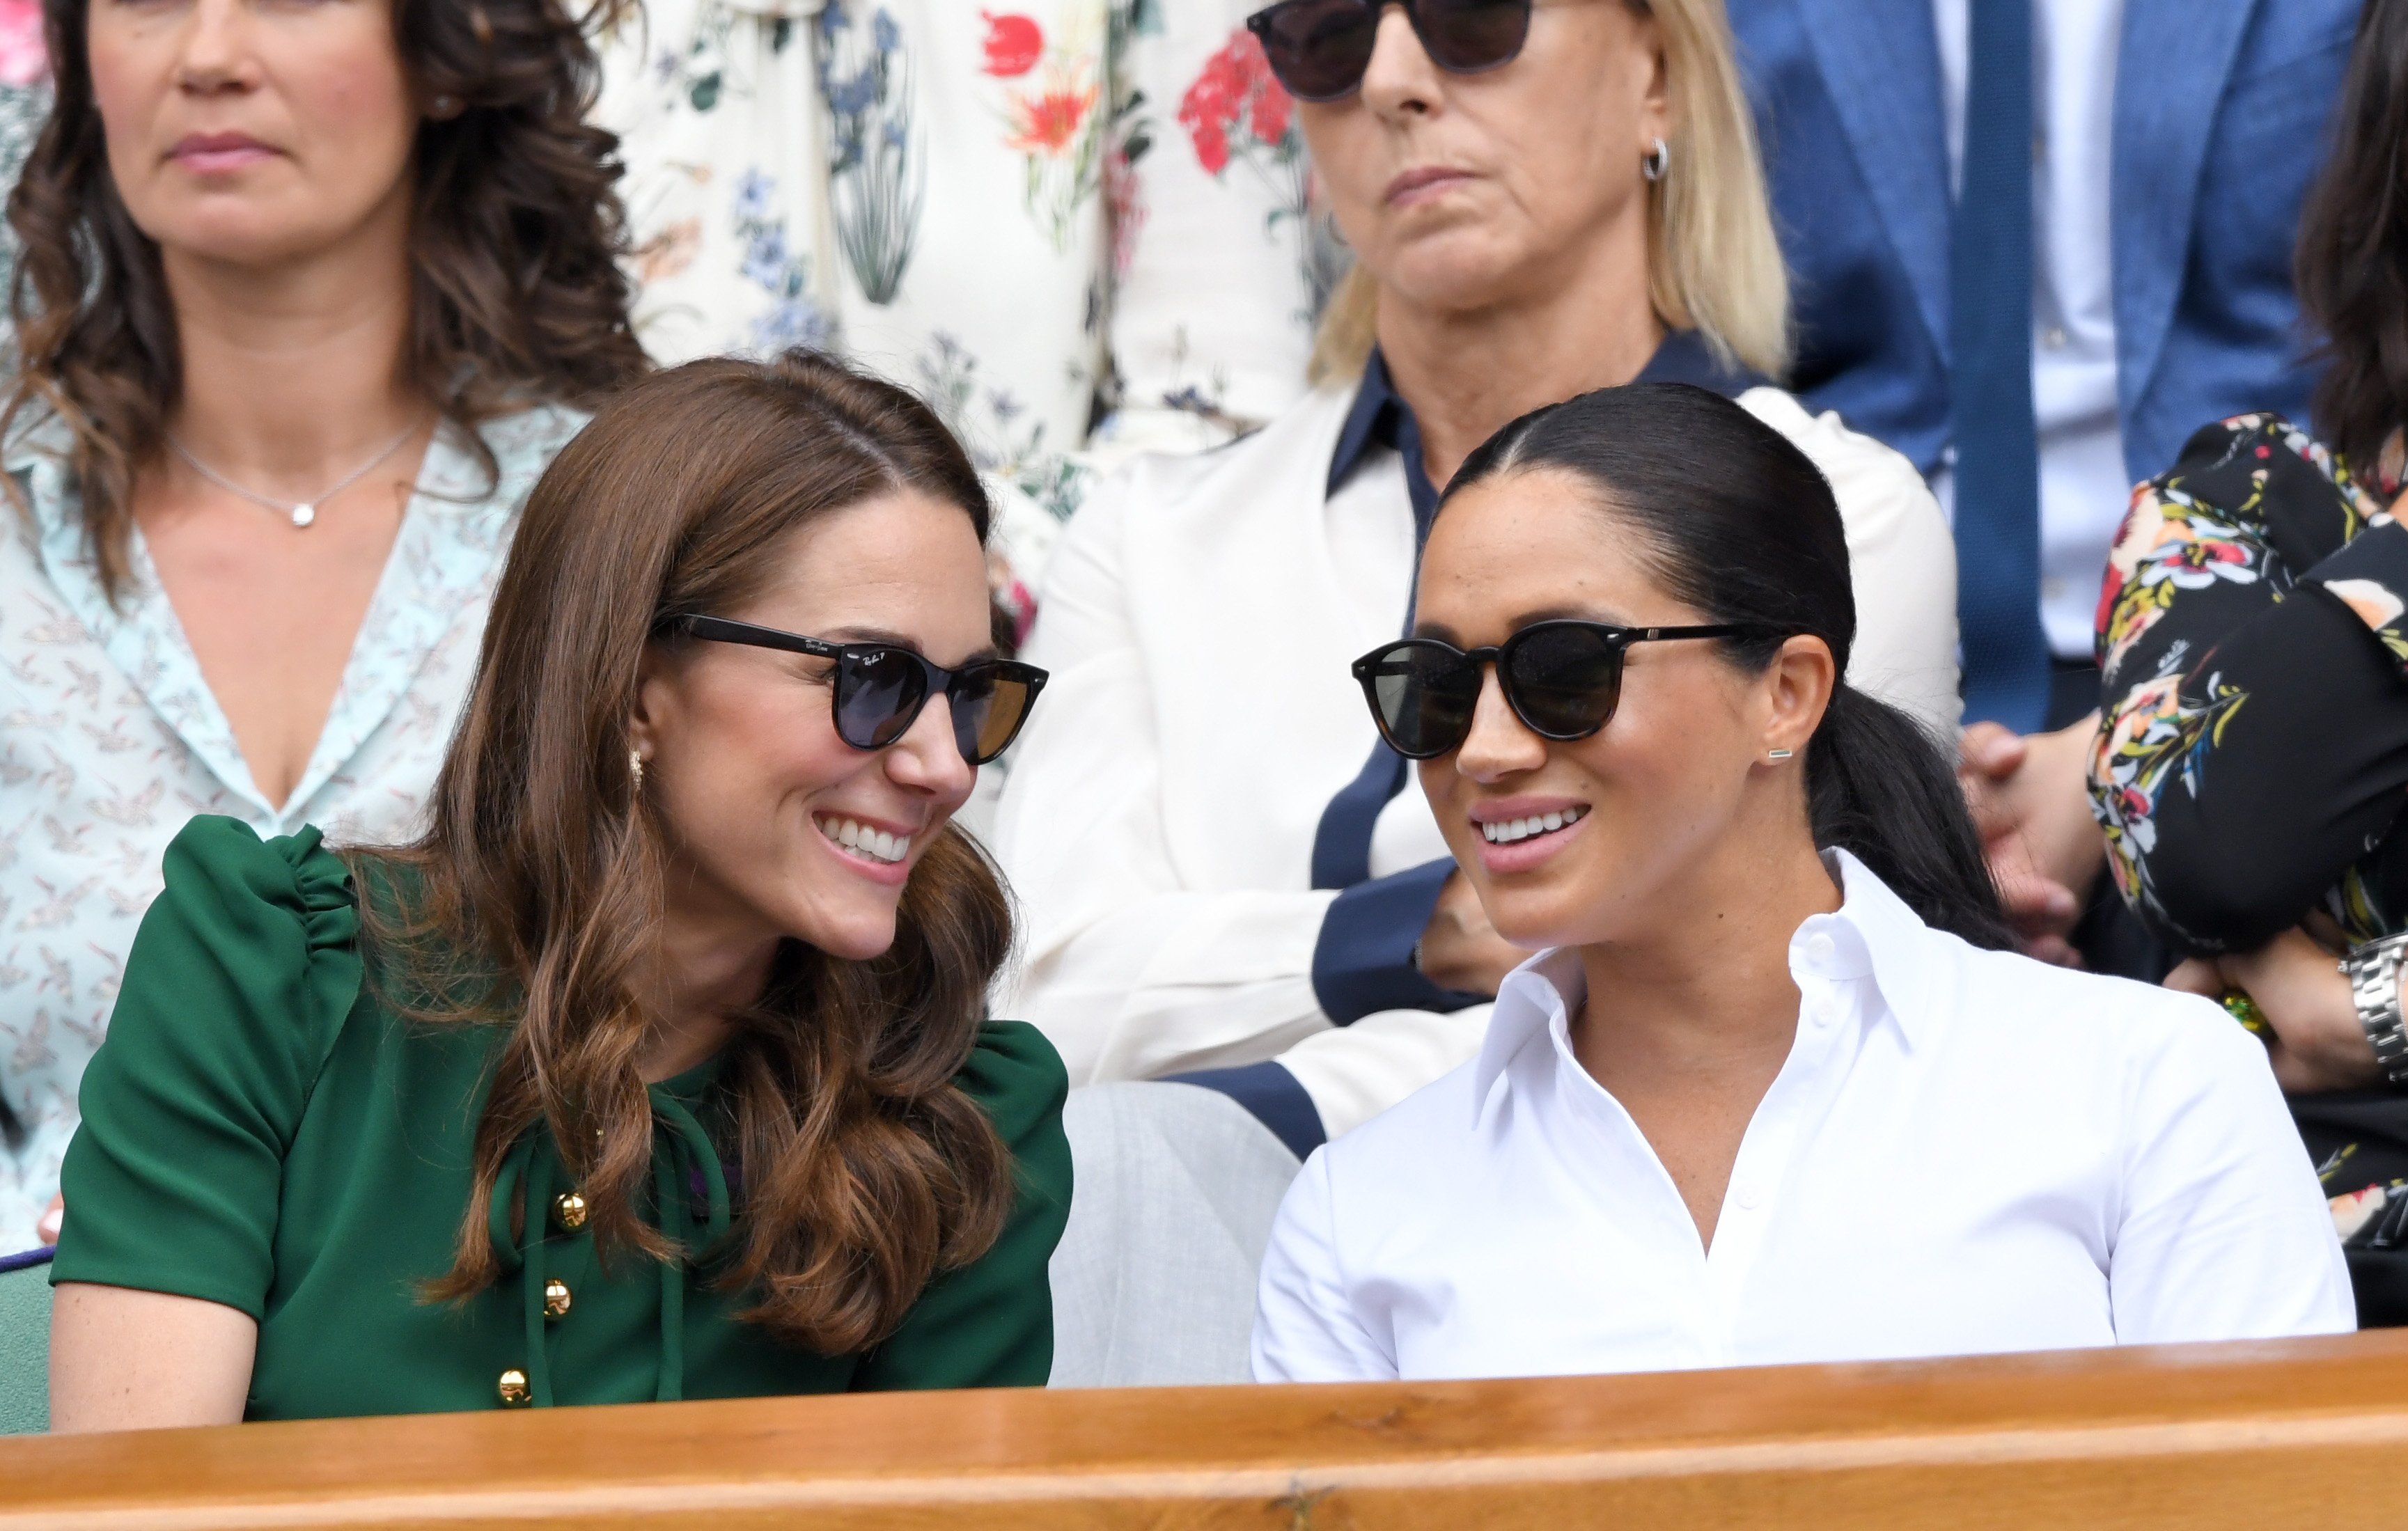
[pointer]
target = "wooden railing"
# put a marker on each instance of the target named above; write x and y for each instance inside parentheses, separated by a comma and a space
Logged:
(2310, 1433)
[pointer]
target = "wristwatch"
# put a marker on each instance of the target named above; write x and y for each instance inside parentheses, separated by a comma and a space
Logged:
(2373, 974)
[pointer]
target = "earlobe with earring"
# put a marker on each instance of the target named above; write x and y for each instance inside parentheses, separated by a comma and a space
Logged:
(635, 768)
(1779, 754)
(1655, 161)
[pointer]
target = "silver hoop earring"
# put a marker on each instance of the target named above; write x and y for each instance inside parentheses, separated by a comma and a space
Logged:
(1779, 754)
(1657, 161)
(635, 768)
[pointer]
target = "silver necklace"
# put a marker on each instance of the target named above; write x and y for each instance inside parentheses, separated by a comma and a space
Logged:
(302, 511)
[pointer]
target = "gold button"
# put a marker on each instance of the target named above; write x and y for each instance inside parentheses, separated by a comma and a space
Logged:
(515, 1394)
(555, 1298)
(569, 1208)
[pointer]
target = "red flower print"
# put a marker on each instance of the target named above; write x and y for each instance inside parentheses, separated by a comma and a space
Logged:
(1046, 123)
(1272, 109)
(2111, 590)
(1235, 91)
(23, 57)
(1014, 44)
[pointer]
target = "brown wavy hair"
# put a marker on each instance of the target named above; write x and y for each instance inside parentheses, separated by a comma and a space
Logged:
(517, 296)
(2352, 263)
(539, 883)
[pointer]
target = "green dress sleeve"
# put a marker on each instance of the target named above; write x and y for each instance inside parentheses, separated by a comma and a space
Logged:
(990, 1322)
(240, 977)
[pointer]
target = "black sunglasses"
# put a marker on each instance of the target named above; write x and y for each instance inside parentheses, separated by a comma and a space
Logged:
(1561, 679)
(880, 687)
(1319, 49)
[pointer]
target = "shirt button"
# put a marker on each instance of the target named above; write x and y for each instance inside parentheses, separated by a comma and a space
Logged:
(2053, 337)
(1820, 948)
(1750, 1198)
(555, 1298)
(568, 1210)
(1820, 1012)
(513, 1389)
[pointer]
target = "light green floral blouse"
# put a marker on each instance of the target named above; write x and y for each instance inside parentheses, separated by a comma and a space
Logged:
(110, 739)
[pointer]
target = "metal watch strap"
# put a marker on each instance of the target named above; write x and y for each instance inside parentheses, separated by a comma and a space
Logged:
(2373, 973)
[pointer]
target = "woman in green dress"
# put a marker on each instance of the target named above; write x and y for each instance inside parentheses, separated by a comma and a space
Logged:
(655, 1068)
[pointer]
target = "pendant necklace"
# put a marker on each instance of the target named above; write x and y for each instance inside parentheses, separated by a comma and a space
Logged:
(302, 511)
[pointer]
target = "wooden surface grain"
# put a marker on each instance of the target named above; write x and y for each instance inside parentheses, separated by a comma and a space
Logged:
(2306, 1433)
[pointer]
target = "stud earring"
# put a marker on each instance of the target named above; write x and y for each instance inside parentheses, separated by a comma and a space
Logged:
(635, 768)
(1779, 754)
(1657, 160)
(443, 108)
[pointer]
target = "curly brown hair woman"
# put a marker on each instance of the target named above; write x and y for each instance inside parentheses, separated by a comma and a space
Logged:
(657, 1066)
(310, 294)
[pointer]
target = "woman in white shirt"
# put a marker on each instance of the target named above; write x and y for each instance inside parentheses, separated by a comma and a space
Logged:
(307, 297)
(1233, 879)
(1778, 1091)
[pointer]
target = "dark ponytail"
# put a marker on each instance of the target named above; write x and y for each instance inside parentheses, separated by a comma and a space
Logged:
(1741, 525)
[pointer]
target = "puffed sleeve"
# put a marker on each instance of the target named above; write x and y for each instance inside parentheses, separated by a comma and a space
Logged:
(990, 1322)
(241, 975)
(2256, 734)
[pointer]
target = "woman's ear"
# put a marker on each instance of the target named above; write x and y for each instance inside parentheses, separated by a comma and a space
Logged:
(1657, 115)
(1797, 687)
(653, 703)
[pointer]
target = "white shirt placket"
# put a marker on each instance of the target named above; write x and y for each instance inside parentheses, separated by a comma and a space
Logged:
(1817, 1057)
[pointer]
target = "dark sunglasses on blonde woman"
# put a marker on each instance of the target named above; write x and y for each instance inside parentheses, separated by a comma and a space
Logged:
(1562, 678)
(1320, 48)
(880, 687)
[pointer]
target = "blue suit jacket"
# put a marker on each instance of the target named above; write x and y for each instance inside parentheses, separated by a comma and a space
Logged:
(2221, 114)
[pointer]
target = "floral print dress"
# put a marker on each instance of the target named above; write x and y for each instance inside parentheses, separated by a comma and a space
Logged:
(1080, 228)
(2252, 760)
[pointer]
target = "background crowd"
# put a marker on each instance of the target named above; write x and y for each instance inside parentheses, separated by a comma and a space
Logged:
(1987, 264)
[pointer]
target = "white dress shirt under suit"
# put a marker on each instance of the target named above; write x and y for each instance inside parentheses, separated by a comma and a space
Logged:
(1966, 1152)
(1158, 823)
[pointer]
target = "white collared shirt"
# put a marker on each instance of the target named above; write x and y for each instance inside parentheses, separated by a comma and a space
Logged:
(1966, 1152)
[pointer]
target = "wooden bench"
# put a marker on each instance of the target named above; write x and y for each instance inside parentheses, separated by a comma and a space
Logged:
(2310, 1433)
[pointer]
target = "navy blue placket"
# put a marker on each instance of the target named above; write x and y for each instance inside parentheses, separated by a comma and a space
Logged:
(1342, 844)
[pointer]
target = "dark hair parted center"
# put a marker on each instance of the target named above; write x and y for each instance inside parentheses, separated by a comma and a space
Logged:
(1733, 520)
(534, 898)
(517, 296)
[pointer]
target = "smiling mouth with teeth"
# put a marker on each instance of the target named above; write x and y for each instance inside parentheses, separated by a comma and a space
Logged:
(873, 844)
(1522, 829)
